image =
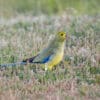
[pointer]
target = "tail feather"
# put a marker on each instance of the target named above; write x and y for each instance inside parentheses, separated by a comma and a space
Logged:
(12, 64)
(24, 62)
(30, 60)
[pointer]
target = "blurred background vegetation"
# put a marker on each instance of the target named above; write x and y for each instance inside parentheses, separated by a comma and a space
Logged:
(26, 26)
(11, 7)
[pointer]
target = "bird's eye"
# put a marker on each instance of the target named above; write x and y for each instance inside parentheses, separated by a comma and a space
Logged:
(61, 34)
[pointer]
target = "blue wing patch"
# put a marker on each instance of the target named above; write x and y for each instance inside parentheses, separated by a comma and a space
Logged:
(45, 60)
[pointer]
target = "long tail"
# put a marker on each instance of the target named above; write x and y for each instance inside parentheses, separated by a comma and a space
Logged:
(30, 60)
(12, 64)
(24, 62)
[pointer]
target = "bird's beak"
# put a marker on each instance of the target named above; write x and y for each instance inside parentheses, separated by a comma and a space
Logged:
(67, 36)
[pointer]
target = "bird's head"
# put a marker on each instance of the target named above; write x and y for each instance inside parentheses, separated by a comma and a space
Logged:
(61, 36)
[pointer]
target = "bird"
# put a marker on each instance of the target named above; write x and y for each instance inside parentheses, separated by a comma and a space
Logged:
(52, 54)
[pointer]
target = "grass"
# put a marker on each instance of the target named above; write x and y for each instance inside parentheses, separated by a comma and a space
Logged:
(76, 77)
(49, 7)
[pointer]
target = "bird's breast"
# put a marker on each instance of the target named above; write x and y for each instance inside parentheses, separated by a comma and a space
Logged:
(57, 57)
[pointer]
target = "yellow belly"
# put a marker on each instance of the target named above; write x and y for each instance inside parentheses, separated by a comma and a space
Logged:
(57, 58)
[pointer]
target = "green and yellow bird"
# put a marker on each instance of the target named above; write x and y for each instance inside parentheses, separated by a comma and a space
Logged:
(52, 54)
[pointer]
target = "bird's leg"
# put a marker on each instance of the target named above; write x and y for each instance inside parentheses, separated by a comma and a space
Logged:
(50, 68)
(46, 67)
